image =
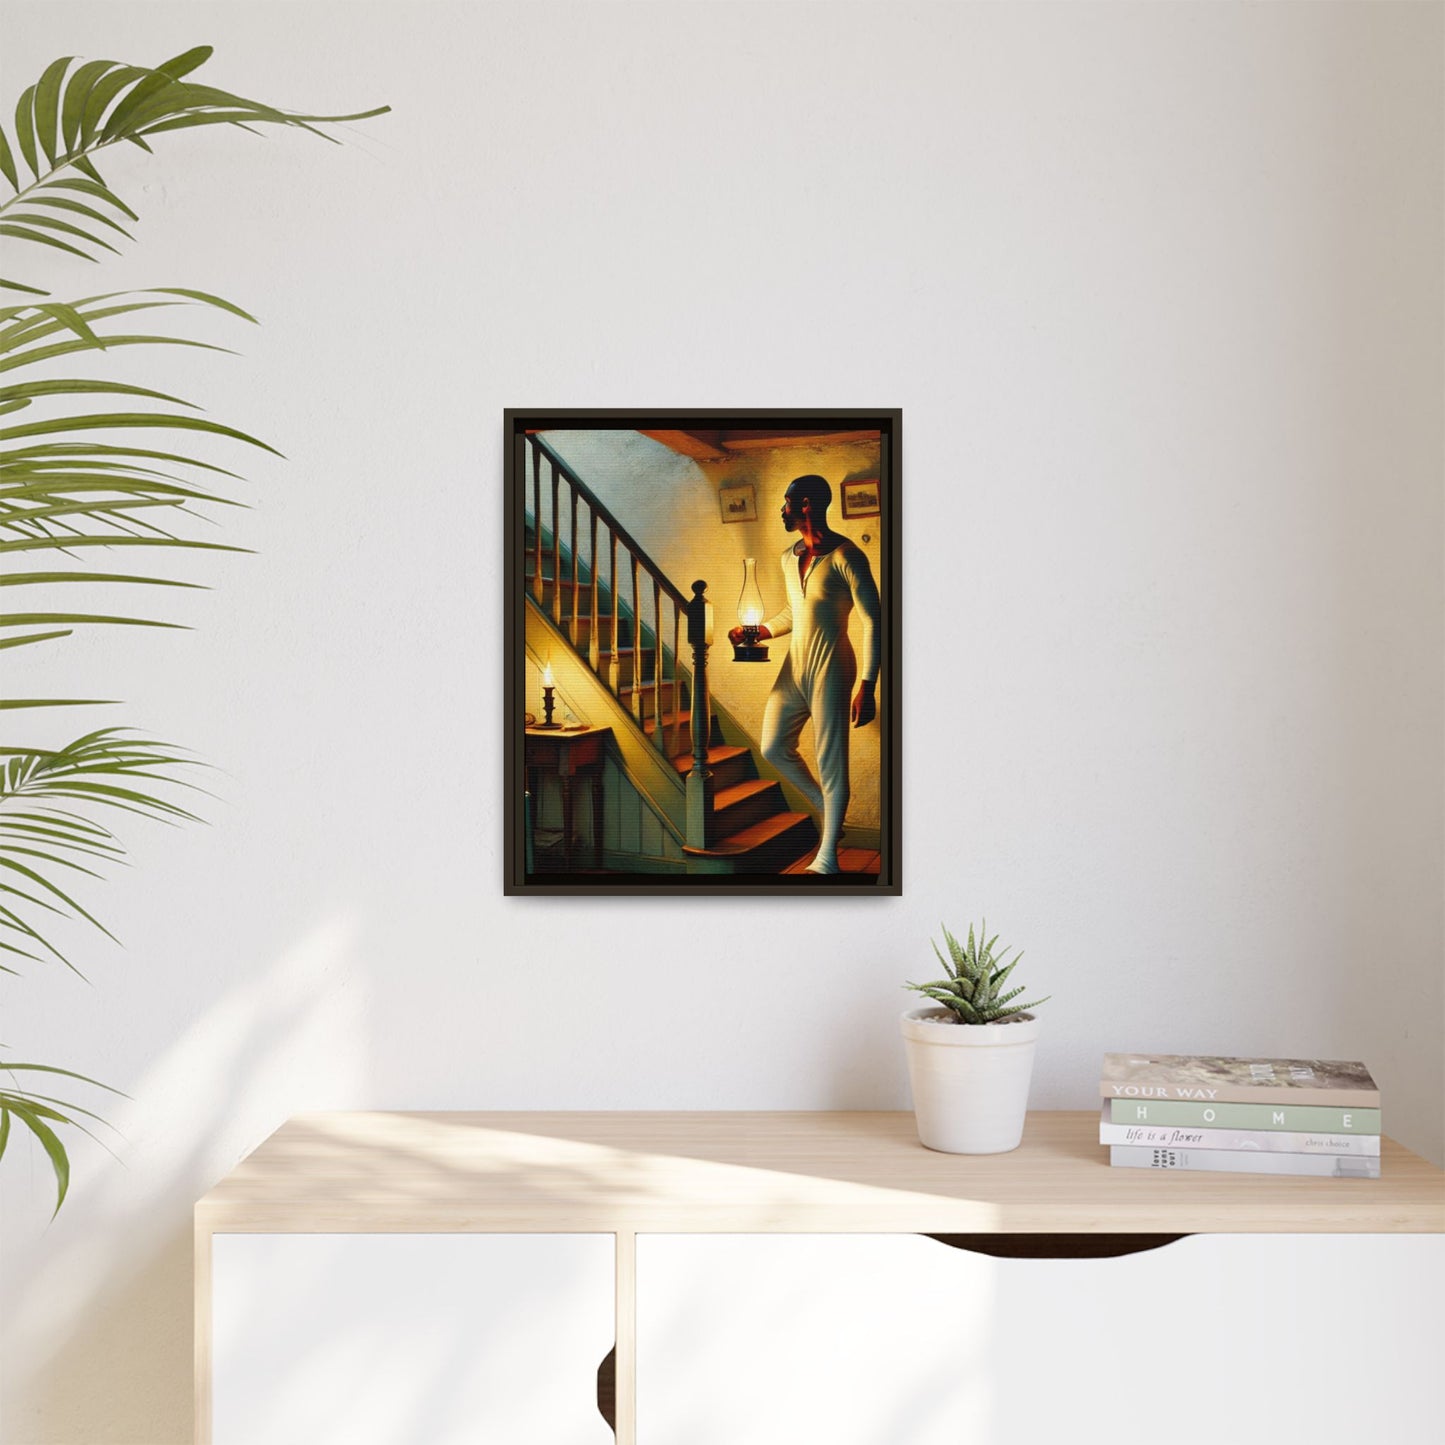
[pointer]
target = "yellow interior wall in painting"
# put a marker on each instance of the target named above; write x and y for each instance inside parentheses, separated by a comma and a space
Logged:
(671, 504)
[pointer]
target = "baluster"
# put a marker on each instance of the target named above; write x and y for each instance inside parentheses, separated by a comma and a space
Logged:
(676, 685)
(538, 586)
(659, 733)
(699, 780)
(614, 662)
(592, 634)
(575, 587)
(556, 549)
(636, 645)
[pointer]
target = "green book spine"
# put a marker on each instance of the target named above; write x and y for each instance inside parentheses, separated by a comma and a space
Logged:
(1312, 1118)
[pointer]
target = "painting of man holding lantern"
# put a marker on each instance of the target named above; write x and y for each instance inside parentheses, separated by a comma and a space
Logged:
(713, 768)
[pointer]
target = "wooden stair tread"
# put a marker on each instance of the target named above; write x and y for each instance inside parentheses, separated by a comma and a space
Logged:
(650, 685)
(726, 797)
(850, 860)
(754, 836)
(584, 579)
(718, 753)
(669, 719)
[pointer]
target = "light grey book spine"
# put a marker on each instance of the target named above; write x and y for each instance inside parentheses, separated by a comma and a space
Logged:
(1236, 1161)
(1263, 1141)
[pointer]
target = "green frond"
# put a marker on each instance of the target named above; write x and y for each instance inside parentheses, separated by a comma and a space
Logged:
(30, 1115)
(107, 768)
(77, 619)
(28, 391)
(19, 232)
(25, 130)
(7, 166)
(29, 579)
(91, 188)
(10, 1066)
(77, 90)
(114, 420)
(29, 639)
(42, 1114)
(60, 491)
(17, 704)
(70, 115)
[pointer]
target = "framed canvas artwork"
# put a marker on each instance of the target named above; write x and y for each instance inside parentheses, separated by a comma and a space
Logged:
(702, 655)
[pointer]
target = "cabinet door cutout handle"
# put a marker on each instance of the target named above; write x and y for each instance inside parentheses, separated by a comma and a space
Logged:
(1056, 1246)
(607, 1389)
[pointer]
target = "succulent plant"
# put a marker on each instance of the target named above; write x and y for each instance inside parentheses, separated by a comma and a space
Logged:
(973, 988)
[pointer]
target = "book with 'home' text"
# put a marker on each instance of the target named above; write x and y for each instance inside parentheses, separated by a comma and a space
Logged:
(1259, 1141)
(1302, 1118)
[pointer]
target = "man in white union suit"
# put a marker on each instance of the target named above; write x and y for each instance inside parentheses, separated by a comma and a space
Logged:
(826, 577)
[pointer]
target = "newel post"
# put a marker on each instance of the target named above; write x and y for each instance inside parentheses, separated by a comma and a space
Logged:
(699, 780)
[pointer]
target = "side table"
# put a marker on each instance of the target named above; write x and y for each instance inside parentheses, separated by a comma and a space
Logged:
(648, 1278)
(567, 753)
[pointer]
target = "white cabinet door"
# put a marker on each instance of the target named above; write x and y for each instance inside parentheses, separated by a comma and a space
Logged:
(398, 1339)
(900, 1340)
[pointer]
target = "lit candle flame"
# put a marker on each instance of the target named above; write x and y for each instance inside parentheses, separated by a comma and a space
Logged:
(547, 675)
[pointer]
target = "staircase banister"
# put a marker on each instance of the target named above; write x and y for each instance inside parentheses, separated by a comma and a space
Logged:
(618, 530)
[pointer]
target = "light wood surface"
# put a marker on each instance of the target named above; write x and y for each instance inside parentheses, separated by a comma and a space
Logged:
(631, 1173)
(639, 1172)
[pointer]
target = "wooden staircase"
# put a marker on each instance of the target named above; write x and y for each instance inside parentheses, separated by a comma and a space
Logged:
(754, 830)
(746, 825)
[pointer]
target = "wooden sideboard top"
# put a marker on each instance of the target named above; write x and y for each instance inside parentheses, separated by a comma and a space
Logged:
(827, 1172)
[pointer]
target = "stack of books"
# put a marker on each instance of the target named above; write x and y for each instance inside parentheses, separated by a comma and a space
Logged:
(1244, 1116)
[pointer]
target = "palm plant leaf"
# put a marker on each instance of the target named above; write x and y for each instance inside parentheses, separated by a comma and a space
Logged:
(33, 390)
(16, 704)
(74, 111)
(30, 1114)
(108, 768)
(62, 490)
(39, 1113)
(71, 481)
(29, 639)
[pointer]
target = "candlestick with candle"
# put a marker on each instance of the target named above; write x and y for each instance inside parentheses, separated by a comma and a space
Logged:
(548, 701)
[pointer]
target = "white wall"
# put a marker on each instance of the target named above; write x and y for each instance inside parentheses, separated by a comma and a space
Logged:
(1159, 290)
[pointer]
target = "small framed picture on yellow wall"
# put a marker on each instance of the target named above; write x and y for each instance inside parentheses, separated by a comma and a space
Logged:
(860, 498)
(739, 504)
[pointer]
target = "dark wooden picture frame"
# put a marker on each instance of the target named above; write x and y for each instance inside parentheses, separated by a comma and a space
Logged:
(739, 503)
(855, 500)
(621, 587)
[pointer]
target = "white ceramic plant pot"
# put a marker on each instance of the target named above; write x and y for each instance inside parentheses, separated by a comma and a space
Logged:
(970, 1081)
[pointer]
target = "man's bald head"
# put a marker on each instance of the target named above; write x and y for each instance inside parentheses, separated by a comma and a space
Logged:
(815, 489)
